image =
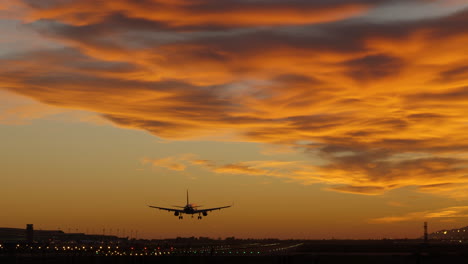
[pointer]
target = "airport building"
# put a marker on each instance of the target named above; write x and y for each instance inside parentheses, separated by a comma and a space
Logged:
(30, 235)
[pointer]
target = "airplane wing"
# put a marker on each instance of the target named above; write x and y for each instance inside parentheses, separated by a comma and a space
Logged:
(211, 209)
(167, 209)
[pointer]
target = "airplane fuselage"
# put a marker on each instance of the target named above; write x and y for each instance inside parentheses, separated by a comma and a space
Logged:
(189, 209)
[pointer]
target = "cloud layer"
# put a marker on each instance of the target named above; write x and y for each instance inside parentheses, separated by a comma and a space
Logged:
(384, 104)
(445, 213)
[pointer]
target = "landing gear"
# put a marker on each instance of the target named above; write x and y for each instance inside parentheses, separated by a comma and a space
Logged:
(199, 216)
(181, 217)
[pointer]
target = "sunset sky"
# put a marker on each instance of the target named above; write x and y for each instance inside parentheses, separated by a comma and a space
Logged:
(316, 118)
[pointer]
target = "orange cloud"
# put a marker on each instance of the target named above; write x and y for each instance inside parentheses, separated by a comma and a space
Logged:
(396, 204)
(377, 106)
(450, 212)
(12, 9)
(210, 14)
(17, 110)
(171, 163)
(240, 169)
(287, 170)
(366, 190)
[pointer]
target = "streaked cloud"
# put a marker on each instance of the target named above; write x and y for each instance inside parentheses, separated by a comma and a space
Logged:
(206, 14)
(367, 190)
(444, 214)
(15, 110)
(280, 169)
(171, 163)
(287, 170)
(18, 110)
(397, 204)
(377, 105)
(12, 9)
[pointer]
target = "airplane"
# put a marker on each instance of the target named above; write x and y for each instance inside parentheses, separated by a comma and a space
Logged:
(189, 209)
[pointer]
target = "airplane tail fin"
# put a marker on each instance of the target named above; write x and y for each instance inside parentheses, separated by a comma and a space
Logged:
(187, 197)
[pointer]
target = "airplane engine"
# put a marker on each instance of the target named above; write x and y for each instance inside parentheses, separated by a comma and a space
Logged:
(176, 213)
(205, 213)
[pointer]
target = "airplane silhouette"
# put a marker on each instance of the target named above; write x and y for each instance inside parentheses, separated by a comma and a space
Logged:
(190, 209)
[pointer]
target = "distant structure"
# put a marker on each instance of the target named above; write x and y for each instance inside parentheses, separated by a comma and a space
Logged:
(458, 235)
(29, 233)
(425, 233)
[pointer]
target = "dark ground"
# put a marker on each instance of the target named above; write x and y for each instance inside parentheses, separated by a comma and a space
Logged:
(284, 252)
